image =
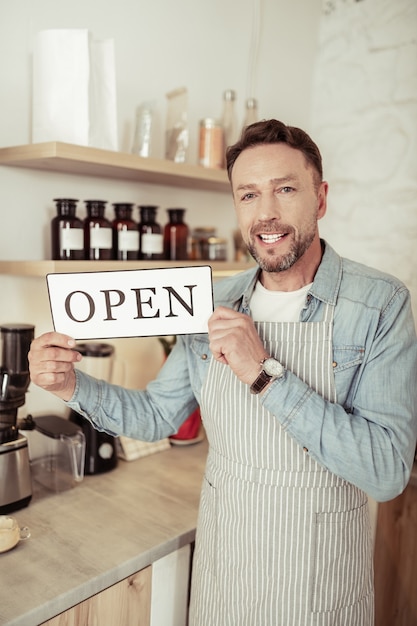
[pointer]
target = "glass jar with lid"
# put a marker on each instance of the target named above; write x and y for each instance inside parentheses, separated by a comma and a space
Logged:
(176, 236)
(125, 233)
(67, 233)
(214, 249)
(200, 236)
(98, 235)
(211, 143)
(151, 238)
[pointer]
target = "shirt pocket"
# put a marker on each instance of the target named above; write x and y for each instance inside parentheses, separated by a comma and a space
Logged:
(200, 349)
(347, 361)
(342, 573)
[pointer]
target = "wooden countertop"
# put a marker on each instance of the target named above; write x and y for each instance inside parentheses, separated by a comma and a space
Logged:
(106, 528)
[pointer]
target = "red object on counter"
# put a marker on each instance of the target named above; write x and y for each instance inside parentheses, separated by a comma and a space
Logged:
(190, 428)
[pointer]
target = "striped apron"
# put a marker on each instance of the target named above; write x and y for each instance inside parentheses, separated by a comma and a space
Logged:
(281, 541)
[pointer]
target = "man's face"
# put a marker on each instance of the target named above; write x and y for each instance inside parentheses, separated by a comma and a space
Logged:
(277, 204)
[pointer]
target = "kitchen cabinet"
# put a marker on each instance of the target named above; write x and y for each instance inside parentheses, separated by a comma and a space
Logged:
(127, 602)
(396, 559)
(157, 594)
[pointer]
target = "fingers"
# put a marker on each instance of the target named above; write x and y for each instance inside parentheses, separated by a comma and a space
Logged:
(50, 353)
(221, 325)
(51, 363)
(234, 341)
(223, 312)
(52, 339)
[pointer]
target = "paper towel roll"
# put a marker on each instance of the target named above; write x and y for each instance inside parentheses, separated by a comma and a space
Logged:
(74, 89)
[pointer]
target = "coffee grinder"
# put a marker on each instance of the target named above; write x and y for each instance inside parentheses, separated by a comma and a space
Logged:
(15, 475)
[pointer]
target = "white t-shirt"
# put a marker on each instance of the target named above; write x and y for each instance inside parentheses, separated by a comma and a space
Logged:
(277, 306)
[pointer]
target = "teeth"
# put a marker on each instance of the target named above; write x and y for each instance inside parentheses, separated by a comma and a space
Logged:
(270, 238)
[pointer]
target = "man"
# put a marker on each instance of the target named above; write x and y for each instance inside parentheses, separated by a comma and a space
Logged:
(306, 383)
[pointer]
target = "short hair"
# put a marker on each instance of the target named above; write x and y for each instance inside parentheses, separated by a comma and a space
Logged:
(273, 131)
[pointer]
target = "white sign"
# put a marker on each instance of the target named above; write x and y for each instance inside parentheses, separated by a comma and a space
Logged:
(131, 303)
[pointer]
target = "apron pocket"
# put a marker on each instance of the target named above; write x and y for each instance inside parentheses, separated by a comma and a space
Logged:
(342, 571)
(207, 535)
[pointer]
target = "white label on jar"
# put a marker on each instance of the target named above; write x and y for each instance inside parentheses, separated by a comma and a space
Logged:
(101, 238)
(152, 243)
(72, 238)
(128, 240)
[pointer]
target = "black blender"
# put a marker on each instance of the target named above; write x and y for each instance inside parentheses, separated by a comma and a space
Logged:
(15, 475)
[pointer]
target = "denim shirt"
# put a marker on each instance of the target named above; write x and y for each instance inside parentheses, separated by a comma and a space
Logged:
(368, 437)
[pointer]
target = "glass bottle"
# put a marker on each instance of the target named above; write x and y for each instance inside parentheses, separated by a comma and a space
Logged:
(251, 112)
(143, 130)
(151, 240)
(125, 233)
(176, 236)
(98, 236)
(67, 235)
(229, 119)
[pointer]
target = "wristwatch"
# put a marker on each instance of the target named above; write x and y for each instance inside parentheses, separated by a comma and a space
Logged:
(270, 368)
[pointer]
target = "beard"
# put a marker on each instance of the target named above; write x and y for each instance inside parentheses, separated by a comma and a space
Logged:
(273, 262)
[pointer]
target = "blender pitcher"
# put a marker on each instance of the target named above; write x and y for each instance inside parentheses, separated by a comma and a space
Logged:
(57, 451)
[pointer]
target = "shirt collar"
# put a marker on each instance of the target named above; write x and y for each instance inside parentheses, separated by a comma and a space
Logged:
(328, 277)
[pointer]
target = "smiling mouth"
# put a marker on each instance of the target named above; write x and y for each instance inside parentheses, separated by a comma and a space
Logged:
(270, 238)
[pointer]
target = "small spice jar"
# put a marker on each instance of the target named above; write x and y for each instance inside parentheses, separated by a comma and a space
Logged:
(67, 234)
(151, 239)
(98, 235)
(211, 143)
(176, 235)
(199, 236)
(125, 233)
(214, 249)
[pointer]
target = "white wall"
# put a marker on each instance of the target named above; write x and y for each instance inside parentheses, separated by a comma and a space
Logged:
(159, 45)
(365, 122)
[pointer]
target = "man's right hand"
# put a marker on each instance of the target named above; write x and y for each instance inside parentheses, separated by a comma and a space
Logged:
(51, 363)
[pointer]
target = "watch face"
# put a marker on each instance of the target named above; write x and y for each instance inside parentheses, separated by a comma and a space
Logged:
(272, 367)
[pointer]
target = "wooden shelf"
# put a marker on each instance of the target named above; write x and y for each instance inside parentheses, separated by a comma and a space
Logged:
(40, 269)
(82, 160)
(68, 158)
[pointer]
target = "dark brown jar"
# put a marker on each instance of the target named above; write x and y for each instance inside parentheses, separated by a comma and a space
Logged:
(98, 237)
(151, 244)
(125, 233)
(176, 236)
(67, 233)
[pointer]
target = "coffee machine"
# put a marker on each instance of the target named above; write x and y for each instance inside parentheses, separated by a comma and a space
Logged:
(15, 474)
